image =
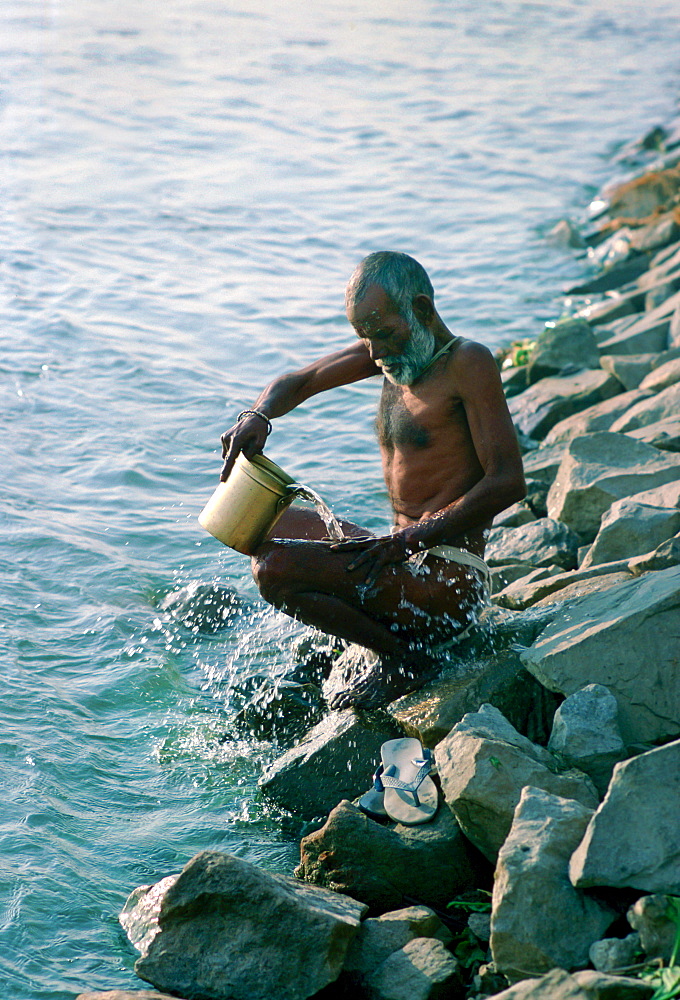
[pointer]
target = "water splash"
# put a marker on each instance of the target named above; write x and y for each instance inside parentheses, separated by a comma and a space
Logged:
(333, 526)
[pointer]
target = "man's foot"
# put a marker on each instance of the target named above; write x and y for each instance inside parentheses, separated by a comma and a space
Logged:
(381, 682)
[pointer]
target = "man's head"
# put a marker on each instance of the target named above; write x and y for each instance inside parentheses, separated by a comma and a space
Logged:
(390, 303)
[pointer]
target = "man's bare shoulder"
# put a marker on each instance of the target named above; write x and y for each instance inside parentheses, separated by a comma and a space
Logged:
(473, 363)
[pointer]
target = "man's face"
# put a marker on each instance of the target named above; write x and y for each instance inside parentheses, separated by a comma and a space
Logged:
(401, 346)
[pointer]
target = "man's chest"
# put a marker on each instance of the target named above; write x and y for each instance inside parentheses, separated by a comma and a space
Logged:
(407, 419)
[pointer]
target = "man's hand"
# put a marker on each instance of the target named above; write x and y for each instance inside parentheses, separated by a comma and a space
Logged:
(373, 554)
(249, 436)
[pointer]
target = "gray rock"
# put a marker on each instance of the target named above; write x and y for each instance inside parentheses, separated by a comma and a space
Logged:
(536, 410)
(567, 343)
(636, 524)
(379, 937)
(484, 764)
(663, 434)
(626, 639)
(230, 931)
(650, 917)
(598, 469)
(126, 995)
(600, 986)
(584, 985)
(542, 542)
(422, 970)
(634, 837)
(535, 591)
(543, 463)
(674, 329)
(514, 516)
(496, 676)
(502, 576)
(629, 369)
(664, 405)
(663, 377)
(611, 954)
(586, 733)
(538, 920)
(596, 418)
(555, 985)
(480, 925)
(382, 865)
(334, 761)
(663, 557)
(646, 336)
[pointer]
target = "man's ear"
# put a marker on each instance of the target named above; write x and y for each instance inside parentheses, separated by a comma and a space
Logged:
(423, 307)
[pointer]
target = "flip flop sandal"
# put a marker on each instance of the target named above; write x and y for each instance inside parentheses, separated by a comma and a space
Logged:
(372, 802)
(410, 795)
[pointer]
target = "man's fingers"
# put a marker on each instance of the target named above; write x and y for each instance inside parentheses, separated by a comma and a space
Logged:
(230, 458)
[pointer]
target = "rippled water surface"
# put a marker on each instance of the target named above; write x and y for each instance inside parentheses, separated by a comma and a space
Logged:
(185, 188)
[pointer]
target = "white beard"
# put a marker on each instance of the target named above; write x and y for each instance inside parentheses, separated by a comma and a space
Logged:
(405, 368)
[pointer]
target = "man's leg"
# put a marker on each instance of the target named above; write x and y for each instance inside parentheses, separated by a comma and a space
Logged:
(398, 617)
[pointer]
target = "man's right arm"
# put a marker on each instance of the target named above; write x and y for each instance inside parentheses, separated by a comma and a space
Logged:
(288, 391)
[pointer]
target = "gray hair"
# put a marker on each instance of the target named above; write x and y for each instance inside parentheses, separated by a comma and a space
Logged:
(399, 275)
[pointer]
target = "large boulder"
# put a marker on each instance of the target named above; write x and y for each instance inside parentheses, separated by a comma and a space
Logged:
(388, 867)
(626, 639)
(664, 556)
(636, 524)
(586, 733)
(224, 929)
(585, 985)
(126, 995)
(536, 410)
(499, 679)
(334, 761)
(664, 405)
(539, 921)
(542, 542)
(596, 418)
(422, 970)
(660, 378)
(533, 591)
(566, 344)
(653, 919)
(486, 667)
(629, 369)
(634, 837)
(379, 937)
(662, 434)
(484, 764)
(598, 469)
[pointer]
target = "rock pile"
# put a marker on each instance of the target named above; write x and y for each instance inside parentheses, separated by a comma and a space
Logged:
(555, 724)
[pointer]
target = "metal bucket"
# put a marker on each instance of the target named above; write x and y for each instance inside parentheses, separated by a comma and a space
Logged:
(244, 509)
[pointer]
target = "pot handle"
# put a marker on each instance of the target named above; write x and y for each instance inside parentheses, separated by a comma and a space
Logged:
(294, 490)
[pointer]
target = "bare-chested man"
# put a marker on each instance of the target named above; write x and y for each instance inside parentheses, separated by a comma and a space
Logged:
(450, 461)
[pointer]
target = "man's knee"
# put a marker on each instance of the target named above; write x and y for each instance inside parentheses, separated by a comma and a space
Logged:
(272, 573)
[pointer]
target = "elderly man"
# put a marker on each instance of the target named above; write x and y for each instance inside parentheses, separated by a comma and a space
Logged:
(450, 461)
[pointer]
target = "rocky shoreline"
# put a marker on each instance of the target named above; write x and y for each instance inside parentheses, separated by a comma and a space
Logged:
(552, 868)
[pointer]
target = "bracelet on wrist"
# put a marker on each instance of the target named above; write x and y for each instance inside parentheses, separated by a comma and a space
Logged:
(255, 413)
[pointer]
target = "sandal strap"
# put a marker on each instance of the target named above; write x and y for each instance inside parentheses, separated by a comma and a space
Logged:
(382, 780)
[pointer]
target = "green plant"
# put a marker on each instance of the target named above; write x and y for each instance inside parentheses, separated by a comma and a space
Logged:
(472, 905)
(666, 979)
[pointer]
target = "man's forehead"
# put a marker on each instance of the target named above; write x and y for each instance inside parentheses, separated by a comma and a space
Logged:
(372, 309)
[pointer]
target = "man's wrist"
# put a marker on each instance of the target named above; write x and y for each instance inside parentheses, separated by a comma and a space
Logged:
(255, 413)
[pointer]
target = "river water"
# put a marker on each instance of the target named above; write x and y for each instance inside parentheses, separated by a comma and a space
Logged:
(185, 189)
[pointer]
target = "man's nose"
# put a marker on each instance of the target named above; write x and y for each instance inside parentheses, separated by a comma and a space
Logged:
(377, 350)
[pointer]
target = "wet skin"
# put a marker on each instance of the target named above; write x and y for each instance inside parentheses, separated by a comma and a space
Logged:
(450, 462)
